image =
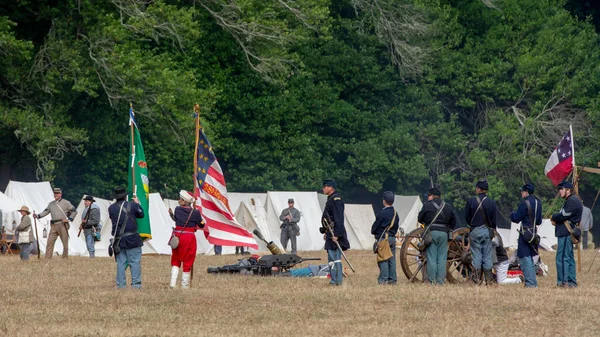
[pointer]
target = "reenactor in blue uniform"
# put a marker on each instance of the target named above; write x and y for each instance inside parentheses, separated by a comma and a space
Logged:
(334, 215)
(387, 269)
(441, 219)
(570, 214)
(529, 214)
(480, 214)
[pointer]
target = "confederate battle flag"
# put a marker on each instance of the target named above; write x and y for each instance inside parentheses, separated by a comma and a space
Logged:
(562, 160)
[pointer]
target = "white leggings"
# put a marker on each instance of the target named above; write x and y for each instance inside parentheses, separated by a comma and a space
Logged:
(501, 271)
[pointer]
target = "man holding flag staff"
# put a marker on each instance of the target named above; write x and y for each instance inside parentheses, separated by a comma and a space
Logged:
(127, 243)
(565, 222)
(187, 221)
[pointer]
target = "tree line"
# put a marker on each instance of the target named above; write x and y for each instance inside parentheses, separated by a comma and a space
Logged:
(380, 95)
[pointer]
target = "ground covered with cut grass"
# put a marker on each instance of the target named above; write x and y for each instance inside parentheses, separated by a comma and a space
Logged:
(77, 297)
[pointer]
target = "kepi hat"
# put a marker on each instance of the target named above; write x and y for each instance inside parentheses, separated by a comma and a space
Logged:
(329, 182)
(482, 184)
(565, 184)
(57, 190)
(434, 191)
(388, 196)
(89, 198)
(528, 188)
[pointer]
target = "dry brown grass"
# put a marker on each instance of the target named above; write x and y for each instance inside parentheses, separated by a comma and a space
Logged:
(77, 297)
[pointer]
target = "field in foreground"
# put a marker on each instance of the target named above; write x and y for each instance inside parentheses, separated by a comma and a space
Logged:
(77, 297)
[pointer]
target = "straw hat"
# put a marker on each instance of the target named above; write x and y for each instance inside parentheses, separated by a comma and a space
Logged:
(24, 209)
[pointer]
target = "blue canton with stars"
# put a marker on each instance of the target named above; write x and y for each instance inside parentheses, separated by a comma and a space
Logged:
(205, 157)
(565, 147)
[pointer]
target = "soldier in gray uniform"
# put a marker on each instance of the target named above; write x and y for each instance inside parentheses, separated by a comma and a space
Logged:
(61, 213)
(289, 228)
(90, 223)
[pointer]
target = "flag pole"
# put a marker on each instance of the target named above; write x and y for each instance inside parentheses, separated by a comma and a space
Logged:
(195, 175)
(133, 185)
(37, 241)
(197, 113)
(573, 159)
(576, 185)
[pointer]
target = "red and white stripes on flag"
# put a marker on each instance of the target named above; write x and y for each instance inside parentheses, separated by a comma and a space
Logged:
(211, 194)
(561, 162)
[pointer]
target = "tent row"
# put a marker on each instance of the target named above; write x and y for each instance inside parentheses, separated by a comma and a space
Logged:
(510, 236)
(253, 210)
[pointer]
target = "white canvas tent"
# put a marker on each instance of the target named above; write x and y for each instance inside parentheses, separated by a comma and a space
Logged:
(322, 200)
(7, 204)
(9, 208)
(510, 237)
(236, 198)
(310, 221)
(101, 247)
(358, 222)
(161, 226)
(37, 196)
(408, 208)
(547, 236)
(254, 216)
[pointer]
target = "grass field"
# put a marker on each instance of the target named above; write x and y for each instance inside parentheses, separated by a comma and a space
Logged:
(77, 297)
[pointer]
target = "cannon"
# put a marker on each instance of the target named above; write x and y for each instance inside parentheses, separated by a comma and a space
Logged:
(264, 265)
(458, 266)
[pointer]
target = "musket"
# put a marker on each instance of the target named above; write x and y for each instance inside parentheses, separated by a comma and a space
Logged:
(87, 218)
(327, 223)
(37, 242)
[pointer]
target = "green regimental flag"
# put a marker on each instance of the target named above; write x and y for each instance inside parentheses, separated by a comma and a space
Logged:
(138, 183)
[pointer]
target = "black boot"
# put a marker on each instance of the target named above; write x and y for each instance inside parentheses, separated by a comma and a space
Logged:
(489, 277)
(475, 276)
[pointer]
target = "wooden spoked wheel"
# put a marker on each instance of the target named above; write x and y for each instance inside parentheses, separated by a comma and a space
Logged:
(412, 260)
(459, 268)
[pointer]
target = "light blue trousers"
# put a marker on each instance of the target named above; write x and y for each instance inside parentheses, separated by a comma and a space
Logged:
(132, 258)
(437, 255)
(387, 269)
(481, 248)
(565, 262)
(335, 256)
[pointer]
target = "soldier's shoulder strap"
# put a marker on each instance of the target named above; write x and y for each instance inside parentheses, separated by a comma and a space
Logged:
(440, 208)
(480, 209)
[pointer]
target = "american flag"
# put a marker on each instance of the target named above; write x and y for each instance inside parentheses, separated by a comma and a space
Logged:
(561, 162)
(211, 194)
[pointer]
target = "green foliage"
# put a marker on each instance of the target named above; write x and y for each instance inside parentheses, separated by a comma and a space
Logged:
(292, 95)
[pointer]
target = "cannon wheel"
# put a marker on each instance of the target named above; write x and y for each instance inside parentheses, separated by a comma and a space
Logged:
(412, 261)
(458, 267)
